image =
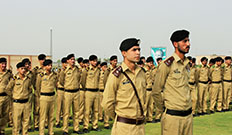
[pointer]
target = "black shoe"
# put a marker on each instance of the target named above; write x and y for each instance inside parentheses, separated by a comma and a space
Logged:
(70, 117)
(218, 111)
(156, 121)
(9, 125)
(195, 115)
(2, 133)
(36, 129)
(69, 124)
(58, 126)
(107, 127)
(149, 121)
(101, 120)
(81, 123)
(65, 133)
(96, 129)
(110, 119)
(77, 132)
(20, 131)
(212, 112)
(30, 130)
(46, 127)
(85, 130)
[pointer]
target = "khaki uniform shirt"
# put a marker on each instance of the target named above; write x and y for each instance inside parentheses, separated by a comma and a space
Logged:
(119, 97)
(173, 80)
(215, 73)
(148, 77)
(4, 80)
(70, 78)
(107, 72)
(46, 83)
(90, 78)
(193, 74)
(203, 73)
(20, 88)
(101, 83)
(227, 72)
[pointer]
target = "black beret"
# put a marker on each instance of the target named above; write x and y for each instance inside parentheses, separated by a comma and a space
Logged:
(2, 60)
(129, 43)
(20, 64)
(204, 58)
(179, 35)
(158, 59)
(70, 56)
(42, 57)
(140, 62)
(47, 62)
(80, 59)
(85, 61)
(103, 64)
(26, 60)
(98, 63)
(218, 59)
(189, 58)
(92, 57)
(150, 59)
(113, 57)
(64, 60)
(193, 60)
(227, 58)
(212, 61)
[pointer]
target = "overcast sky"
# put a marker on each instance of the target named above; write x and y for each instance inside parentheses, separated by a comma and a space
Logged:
(87, 27)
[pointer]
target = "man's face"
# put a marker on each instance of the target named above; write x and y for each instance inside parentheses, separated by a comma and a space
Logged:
(64, 65)
(228, 62)
(104, 67)
(114, 62)
(27, 66)
(93, 62)
(81, 64)
(3, 65)
(183, 46)
(218, 63)
(204, 62)
(71, 61)
(132, 55)
(21, 70)
(48, 67)
(150, 64)
(41, 62)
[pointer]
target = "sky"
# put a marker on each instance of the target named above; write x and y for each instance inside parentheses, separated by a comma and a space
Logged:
(86, 27)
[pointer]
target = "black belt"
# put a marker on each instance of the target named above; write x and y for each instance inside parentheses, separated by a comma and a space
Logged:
(217, 82)
(82, 89)
(149, 89)
(203, 82)
(72, 91)
(227, 80)
(130, 121)
(48, 94)
(61, 89)
(20, 100)
(101, 90)
(92, 90)
(3, 94)
(191, 83)
(179, 113)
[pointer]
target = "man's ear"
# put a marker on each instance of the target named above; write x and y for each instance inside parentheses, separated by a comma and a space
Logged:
(123, 53)
(175, 44)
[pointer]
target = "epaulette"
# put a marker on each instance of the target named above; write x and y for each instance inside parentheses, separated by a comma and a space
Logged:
(117, 71)
(41, 74)
(169, 61)
(36, 67)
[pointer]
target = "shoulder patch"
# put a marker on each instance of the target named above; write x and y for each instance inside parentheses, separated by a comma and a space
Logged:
(117, 71)
(169, 61)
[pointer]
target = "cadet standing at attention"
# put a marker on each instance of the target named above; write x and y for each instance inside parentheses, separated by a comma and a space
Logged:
(70, 80)
(124, 96)
(5, 76)
(46, 83)
(20, 89)
(173, 78)
(227, 81)
(112, 66)
(90, 82)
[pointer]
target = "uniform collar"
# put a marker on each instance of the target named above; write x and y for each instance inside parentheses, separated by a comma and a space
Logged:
(125, 68)
(18, 77)
(92, 68)
(177, 59)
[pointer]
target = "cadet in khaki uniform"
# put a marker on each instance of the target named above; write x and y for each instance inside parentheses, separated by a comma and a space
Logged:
(46, 83)
(202, 85)
(192, 85)
(227, 81)
(60, 95)
(70, 80)
(216, 85)
(101, 90)
(36, 71)
(20, 89)
(5, 76)
(112, 66)
(172, 77)
(90, 82)
(149, 100)
(119, 98)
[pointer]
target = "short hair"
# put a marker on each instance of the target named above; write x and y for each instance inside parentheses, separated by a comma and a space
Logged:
(193, 60)
(92, 57)
(42, 57)
(150, 59)
(80, 59)
(2, 59)
(113, 57)
(204, 58)
(85, 61)
(142, 57)
(64, 60)
(212, 61)
(103, 64)
(158, 59)
(227, 58)
(47, 62)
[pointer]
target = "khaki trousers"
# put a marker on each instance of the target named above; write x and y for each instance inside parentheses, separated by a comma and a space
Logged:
(216, 95)
(226, 94)
(158, 112)
(47, 104)
(106, 117)
(91, 101)
(202, 97)
(176, 125)
(193, 91)
(21, 117)
(10, 122)
(60, 106)
(4, 112)
(82, 105)
(36, 109)
(30, 100)
(149, 104)
(120, 128)
(71, 99)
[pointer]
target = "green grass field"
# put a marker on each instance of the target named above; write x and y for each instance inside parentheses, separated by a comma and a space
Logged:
(214, 124)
